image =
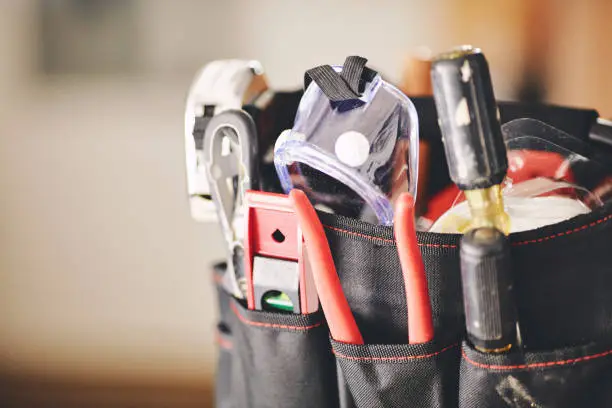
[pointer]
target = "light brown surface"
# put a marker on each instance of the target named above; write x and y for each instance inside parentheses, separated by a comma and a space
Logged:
(18, 392)
(416, 76)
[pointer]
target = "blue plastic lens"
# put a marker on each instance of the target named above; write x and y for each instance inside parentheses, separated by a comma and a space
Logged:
(352, 157)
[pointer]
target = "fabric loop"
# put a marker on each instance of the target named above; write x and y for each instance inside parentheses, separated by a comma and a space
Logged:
(347, 85)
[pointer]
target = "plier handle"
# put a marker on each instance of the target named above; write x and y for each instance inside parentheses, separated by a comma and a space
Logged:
(340, 319)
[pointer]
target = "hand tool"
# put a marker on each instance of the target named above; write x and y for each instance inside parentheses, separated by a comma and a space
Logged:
(420, 324)
(477, 162)
(220, 85)
(471, 132)
(486, 276)
(230, 158)
(278, 275)
(337, 312)
(340, 320)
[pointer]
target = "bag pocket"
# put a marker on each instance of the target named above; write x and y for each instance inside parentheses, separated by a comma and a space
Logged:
(579, 376)
(218, 274)
(223, 390)
(224, 340)
(405, 375)
(281, 360)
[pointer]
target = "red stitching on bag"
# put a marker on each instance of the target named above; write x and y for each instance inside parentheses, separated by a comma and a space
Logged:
(224, 343)
(560, 234)
(535, 365)
(357, 234)
(400, 358)
(277, 326)
(531, 241)
(391, 241)
(217, 277)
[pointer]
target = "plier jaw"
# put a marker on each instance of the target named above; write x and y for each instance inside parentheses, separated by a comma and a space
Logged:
(230, 155)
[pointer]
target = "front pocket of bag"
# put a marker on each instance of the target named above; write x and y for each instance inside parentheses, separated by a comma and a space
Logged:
(573, 377)
(223, 389)
(224, 340)
(402, 376)
(281, 360)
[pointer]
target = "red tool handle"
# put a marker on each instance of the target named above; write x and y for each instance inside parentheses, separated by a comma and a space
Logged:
(340, 320)
(420, 324)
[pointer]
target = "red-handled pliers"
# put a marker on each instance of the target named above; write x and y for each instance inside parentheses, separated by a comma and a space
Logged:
(340, 319)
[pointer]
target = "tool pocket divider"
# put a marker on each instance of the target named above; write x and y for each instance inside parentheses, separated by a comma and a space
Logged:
(400, 375)
(281, 360)
(223, 382)
(224, 340)
(579, 376)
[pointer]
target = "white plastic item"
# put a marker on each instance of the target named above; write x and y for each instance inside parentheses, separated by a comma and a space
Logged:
(526, 213)
(224, 84)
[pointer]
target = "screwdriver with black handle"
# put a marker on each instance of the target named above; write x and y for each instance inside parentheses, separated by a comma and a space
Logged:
(477, 161)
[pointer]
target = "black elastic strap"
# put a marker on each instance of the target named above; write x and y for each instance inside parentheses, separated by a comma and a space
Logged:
(352, 72)
(330, 82)
(347, 85)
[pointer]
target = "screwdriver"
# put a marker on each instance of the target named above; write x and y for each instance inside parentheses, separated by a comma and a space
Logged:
(471, 132)
(477, 162)
(486, 277)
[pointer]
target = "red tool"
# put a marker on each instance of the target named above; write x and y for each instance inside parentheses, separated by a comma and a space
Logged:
(274, 254)
(340, 320)
(333, 302)
(420, 324)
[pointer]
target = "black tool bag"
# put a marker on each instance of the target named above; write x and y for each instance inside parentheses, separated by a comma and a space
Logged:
(563, 276)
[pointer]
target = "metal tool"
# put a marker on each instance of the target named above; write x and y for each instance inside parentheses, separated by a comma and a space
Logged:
(230, 157)
(220, 85)
(486, 276)
(473, 141)
(278, 276)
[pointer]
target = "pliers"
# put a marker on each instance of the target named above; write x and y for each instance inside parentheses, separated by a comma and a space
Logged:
(340, 319)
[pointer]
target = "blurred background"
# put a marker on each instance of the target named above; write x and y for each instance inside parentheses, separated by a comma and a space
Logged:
(105, 292)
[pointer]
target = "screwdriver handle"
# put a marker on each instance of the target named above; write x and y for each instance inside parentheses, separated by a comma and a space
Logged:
(469, 119)
(486, 276)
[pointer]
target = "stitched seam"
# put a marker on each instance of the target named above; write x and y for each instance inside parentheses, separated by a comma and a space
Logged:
(224, 343)
(217, 277)
(527, 242)
(390, 241)
(400, 358)
(560, 234)
(357, 234)
(271, 325)
(535, 365)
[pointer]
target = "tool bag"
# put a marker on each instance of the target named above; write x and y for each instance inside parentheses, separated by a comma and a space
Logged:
(563, 275)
